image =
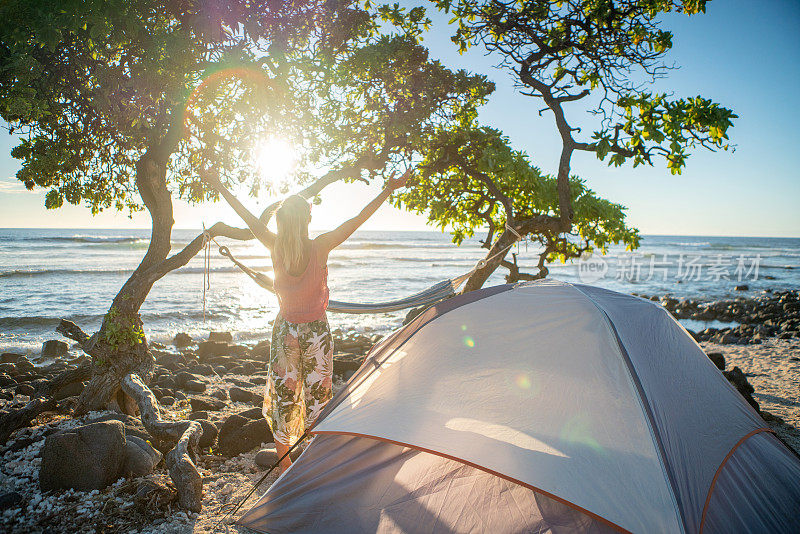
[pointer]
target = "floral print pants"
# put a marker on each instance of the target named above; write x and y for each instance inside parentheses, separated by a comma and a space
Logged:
(300, 378)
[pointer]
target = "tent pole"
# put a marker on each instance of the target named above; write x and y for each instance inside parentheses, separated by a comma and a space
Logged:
(261, 480)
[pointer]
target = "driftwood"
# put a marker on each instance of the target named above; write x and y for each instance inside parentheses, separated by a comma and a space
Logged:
(19, 418)
(186, 435)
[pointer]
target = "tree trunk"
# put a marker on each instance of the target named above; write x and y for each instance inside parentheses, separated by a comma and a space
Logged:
(119, 347)
(500, 247)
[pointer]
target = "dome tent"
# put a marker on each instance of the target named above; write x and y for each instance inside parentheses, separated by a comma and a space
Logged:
(537, 407)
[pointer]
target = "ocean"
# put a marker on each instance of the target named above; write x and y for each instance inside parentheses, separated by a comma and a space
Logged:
(49, 274)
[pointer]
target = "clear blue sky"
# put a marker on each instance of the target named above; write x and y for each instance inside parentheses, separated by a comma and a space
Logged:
(743, 54)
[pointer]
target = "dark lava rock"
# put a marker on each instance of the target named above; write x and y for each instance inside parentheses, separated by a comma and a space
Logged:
(140, 457)
(179, 395)
(25, 389)
(209, 433)
(8, 368)
(252, 413)
(167, 382)
(85, 458)
(718, 358)
(182, 339)
(202, 369)
(736, 377)
(54, 348)
(742, 287)
(346, 362)
(24, 365)
(266, 458)
(196, 416)
(183, 377)
(6, 381)
(239, 382)
(205, 403)
(224, 337)
(211, 349)
(240, 434)
(220, 394)
(260, 351)
(197, 386)
(238, 394)
(10, 357)
(167, 400)
(69, 390)
(9, 500)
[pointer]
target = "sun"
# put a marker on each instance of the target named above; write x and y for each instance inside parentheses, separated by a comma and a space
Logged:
(275, 158)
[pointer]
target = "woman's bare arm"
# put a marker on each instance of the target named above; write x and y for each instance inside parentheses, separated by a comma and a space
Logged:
(334, 238)
(259, 229)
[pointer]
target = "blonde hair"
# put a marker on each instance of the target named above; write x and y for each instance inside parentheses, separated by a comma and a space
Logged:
(292, 218)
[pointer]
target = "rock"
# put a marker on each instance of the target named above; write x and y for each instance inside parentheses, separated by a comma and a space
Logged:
(240, 434)
(182, 340)
(266, 458)
(197, 386)
(742, 287)
(167, 382)
(85, 458)
(6, 381)
(238, 394)
(718, 358)
(25, 389)
(728, 338)
(183, 377)
(260, 351)
(205, 403)
(8, 368)
(203, 369)
(211, 349)
(70, 390)
(346, 362)
(413, 313)
(167, 400)
(54, 348)
(9, 500)
(196, 416)
(140, 457)
(736, 377)
(10, 357)
(224, 337)
(220, 394)
(209, 433)
(253, 413)
(24, 365)
(179, 395)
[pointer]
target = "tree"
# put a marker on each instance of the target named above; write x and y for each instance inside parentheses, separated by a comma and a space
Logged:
(125, 105)
(471, 179)
(603, 54)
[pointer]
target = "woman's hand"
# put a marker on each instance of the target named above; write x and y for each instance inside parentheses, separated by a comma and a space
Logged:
(393, 184)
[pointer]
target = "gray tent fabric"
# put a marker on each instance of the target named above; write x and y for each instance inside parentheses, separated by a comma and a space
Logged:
(390, 488)
(537, 407)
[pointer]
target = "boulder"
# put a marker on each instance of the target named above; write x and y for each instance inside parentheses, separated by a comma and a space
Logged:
(8, 368)
(54, 348)
(266, 458)
(238, 394)
(182, 339)
(240, 434)
(167, 400)
(253, 413)
(209, 433)
(260, 351)
(346, 362)
(742, 287)
(70, 390)
(85, 458)
(718, 358)
(183, 377)
(24, 365)
(224, 337)
(220, 394)
(196, 416)
(197, 386)
(211, 349)
(6, 381)
(205, 403)
(25, 389)
(736, 377)
(10, 357)
(140, 457)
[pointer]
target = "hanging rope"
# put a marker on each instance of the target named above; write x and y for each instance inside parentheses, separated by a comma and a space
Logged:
(206, 267)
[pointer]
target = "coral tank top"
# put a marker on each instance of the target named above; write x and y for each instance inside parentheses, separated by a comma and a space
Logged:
(302, 298)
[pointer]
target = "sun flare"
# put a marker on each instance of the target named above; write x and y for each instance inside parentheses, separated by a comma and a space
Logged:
(275, 158)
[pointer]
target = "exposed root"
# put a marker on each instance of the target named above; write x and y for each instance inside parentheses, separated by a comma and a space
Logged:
(180, 460)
